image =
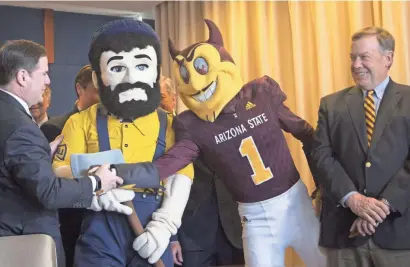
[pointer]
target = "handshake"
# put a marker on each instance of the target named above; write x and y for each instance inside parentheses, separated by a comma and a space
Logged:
(108, 196)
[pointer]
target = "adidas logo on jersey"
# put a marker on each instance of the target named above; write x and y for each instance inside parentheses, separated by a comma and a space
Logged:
(249, 105)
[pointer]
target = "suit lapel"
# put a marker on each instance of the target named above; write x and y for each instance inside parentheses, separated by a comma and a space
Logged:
(354, 100)
(389, 103)
(11, 100)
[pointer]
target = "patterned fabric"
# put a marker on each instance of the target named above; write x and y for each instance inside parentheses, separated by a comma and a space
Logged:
(370, 115)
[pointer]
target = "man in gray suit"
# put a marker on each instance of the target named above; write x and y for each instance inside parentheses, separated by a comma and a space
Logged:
(360, 159)
(30, 193)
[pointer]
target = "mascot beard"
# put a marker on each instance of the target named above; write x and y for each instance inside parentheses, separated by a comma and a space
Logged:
(145, 99)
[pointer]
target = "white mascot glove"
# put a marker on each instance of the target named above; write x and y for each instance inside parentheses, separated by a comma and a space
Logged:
(165, 221)
(111, 201)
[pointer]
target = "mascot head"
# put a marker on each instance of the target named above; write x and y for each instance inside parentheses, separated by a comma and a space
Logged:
(206, 74)
(125, 57)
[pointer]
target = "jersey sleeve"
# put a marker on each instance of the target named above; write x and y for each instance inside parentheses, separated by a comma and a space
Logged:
(289, 121)
(273, 89)
(188, 170)
(73, 141)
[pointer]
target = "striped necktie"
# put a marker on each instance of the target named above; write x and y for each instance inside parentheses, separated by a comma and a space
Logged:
(370, 115)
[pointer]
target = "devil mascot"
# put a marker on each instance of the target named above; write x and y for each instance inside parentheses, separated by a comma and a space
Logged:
(236, 129)
(126, 60)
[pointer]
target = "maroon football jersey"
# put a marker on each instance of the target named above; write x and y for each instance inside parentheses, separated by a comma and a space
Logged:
(245, 145)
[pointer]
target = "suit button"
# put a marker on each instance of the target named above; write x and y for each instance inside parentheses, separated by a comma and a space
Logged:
(126, 145)
(368, 164)
(126, 126)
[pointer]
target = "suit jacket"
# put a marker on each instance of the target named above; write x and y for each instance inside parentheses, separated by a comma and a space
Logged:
(53, 127)
(209, 202)
(342, 162)
(30, 193)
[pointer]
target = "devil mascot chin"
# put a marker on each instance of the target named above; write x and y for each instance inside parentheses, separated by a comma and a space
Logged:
(126, 60)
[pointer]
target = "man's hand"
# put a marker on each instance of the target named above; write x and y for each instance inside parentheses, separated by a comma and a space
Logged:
(108, 179)
(361, 227)
(54, 145)
(316, 201)
(177, 253)
(370, 209)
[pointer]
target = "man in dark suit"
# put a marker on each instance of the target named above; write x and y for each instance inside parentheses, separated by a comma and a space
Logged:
(360, 158)
(87, 95)
(30, 193)
(210, 234)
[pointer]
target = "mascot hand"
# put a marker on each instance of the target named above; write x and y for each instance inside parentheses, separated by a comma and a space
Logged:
(111, 201)
(153, 242)
(166, 220)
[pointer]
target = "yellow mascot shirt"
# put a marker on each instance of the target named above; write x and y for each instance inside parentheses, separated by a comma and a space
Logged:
(136, 140)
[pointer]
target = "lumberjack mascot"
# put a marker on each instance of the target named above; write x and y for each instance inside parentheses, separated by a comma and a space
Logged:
(125, 58)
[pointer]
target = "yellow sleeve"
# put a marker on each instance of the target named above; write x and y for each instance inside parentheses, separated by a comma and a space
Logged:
(170, 141)
(73, 142)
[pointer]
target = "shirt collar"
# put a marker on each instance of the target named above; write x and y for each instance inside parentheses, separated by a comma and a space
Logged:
(380, 89)
(21, 101)
(143, 124)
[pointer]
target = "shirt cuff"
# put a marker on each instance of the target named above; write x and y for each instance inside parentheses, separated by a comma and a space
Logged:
(343, 201)
(387, 203)
(94, 183)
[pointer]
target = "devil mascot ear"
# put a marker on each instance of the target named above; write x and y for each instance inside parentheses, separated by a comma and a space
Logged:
(172, 50)
(215, 36)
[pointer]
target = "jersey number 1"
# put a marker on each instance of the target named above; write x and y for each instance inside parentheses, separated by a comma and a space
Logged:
(248, 149)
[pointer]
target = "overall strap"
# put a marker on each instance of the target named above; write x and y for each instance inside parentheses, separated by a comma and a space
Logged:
(102, 131)
(161, 143)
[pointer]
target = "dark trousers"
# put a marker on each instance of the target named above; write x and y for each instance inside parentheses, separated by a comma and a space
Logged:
(70, 226)
(106, 237)
(367, 255)
(220, 252)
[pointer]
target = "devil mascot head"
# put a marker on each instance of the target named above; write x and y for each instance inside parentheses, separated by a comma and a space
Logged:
(206, 75)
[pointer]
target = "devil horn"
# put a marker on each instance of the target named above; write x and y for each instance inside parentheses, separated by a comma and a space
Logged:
(215, 36)
(172, 50)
